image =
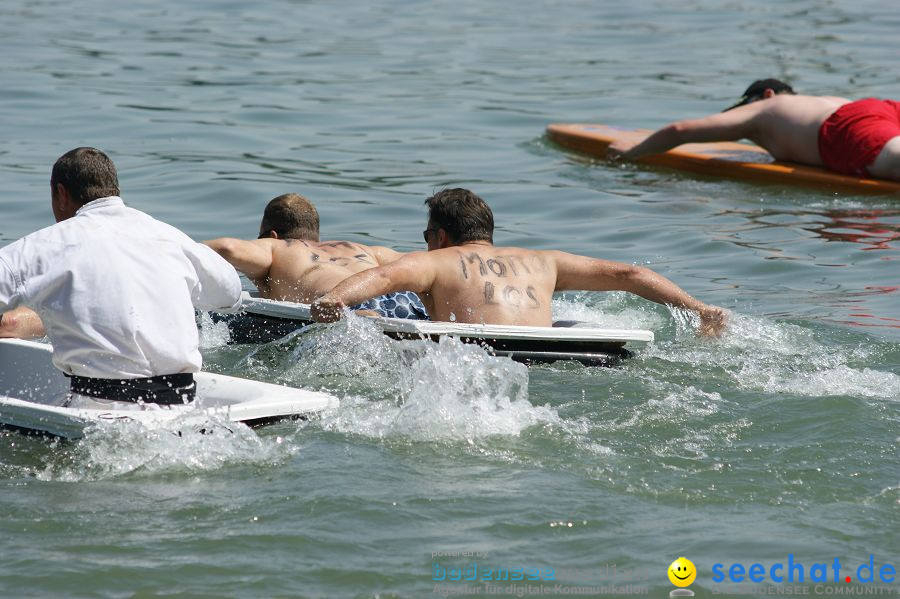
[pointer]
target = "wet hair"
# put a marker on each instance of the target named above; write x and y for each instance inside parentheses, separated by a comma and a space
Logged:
(462, 214)
(291, 216)
(758, 88)
(87, 174)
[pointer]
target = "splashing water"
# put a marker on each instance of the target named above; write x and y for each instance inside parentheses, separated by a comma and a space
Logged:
(415, 389)
(212, 334)
(616, 310)
(192, 443)
(760, 355)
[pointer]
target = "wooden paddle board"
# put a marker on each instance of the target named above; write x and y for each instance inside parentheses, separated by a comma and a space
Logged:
(721, 159)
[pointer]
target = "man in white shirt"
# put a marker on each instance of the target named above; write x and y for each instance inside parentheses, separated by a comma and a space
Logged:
(115, 290)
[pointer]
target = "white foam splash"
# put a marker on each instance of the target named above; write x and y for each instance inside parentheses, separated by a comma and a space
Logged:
(761, 355)
(429, 391)
(212, 334)
(614, 310)
(192, 443)
(351, 356)
(675, 407)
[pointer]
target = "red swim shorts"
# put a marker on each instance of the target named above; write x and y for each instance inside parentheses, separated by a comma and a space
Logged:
(853, 136)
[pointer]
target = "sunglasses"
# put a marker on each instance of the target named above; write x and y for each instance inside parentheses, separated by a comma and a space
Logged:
(426, 232)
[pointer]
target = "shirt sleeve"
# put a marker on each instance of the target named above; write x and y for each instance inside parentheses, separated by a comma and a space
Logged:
(218, 287)
(10, 284)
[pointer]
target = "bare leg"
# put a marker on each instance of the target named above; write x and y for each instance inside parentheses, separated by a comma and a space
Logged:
(887, 164)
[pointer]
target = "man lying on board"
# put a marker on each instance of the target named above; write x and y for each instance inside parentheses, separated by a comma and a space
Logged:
(288, 262)
(860, 138)
(115, 290)
(464, 278)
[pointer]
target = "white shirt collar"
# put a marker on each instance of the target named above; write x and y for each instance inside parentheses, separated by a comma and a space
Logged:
(101, 203)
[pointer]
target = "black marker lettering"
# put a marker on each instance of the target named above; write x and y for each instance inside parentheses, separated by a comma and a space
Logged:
(512, 295)
(489, 293)
(525, 266)
(474, 256)
(462, 265)
(512, 265)
(530, 292)
(500, 271)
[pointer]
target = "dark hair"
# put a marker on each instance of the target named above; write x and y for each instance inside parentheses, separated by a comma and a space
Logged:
(87, 174)
(758, 88)
(462, 214)
(291, 216)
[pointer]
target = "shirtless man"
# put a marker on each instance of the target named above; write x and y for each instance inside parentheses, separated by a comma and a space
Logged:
(288, 262)
(860, 138)
(464, 278)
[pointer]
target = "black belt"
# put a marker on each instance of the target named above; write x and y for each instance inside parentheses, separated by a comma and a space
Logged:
(168, 389)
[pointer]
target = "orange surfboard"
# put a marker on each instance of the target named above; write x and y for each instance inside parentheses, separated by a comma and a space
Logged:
(720, 159)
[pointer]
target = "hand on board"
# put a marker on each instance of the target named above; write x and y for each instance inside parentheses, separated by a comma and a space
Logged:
(618, 150)
(326, 310)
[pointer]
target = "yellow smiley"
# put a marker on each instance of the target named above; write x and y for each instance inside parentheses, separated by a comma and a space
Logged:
(682, 572)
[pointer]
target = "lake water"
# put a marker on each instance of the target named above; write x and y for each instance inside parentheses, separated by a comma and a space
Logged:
(780, 438)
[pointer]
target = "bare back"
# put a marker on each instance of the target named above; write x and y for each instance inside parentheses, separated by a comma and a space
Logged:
(787, 126)
(480, 283)
(301, 271)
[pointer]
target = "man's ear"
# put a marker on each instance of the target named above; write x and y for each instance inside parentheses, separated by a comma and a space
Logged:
(768, 93)
(63, 194)
(64, 202)
(273, 234)
(443, 239)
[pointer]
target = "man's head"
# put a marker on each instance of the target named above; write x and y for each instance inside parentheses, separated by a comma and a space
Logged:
(461, 215)
(762, 89)
(81, 176)
(290, 216)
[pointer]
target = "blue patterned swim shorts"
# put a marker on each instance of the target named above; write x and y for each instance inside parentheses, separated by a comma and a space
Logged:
(402, 304)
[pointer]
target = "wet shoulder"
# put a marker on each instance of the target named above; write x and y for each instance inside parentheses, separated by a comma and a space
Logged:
(341, 253)
(500, 262)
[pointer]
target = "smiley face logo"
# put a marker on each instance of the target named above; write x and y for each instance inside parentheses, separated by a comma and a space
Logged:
(682, 572)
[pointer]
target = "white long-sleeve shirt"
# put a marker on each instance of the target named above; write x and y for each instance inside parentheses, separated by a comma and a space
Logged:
(116, 291)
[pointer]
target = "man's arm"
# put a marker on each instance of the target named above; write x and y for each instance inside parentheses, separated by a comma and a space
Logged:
(732, 125)
(385, 255)
(591, 274)
(253, 258)
(21, 323)
(16, 320)
(413, 272)
(218, 287)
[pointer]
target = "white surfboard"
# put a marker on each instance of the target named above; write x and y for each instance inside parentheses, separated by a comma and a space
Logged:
(581, 341)
(30, 384)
